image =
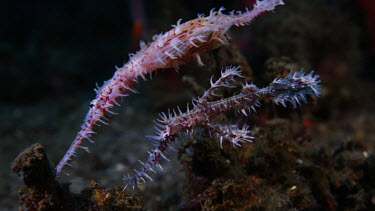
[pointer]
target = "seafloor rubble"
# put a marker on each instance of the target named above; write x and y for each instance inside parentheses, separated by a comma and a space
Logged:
(42, 191)
(279, 171)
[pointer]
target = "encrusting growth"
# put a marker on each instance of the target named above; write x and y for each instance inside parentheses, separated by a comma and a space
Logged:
(185, 42)
(292, 88)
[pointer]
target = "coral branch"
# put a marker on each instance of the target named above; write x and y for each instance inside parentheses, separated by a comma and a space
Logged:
(291, 89)
(180, 45)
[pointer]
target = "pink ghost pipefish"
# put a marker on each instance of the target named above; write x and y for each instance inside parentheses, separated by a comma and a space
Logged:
(185, 42)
